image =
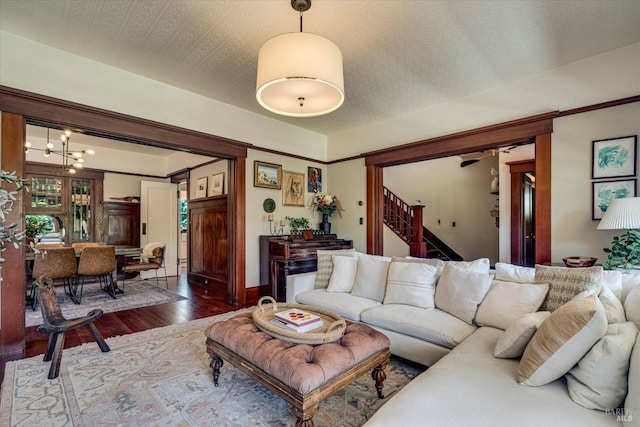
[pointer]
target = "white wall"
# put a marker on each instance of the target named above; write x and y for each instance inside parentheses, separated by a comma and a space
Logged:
(207, 171)
(123, 185)
(573, 231)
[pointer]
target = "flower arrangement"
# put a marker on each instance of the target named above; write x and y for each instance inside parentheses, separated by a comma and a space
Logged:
(326, 203)
(9, 234)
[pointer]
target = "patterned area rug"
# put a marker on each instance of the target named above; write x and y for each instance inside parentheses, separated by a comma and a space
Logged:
(137, 294)
(162, 377)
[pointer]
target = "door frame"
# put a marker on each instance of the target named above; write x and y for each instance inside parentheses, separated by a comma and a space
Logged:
(517, 239)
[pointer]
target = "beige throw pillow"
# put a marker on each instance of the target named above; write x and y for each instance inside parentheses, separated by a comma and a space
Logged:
(562, 339)
(344, 273)
(599, 380)
(506, 302)
(411, 283)
(565, 283)
(512, 343)
(459, 291)
(371, 279)
(325, 265)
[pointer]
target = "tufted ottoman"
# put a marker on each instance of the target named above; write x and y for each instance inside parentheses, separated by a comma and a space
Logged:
(303, 375)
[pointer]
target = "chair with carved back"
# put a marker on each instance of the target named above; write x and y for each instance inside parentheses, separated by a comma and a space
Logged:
(97, 262)
(56, 264)
(56, 325)
(154, 263)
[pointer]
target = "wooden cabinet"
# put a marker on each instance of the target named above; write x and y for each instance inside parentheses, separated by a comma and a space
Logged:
(121, 223)
(208, 244)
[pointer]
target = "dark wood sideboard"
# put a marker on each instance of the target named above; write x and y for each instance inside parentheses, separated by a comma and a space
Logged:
(281, 256)
(208, 243)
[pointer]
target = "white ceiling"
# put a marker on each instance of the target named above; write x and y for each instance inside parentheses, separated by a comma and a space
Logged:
(399, 56)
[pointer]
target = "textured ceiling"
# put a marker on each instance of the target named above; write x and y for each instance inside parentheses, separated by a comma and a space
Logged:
(399, 56)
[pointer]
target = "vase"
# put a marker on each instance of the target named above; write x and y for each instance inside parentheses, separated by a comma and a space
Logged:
(325, 225)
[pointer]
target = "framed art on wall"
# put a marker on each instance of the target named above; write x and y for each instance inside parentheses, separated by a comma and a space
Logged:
(314, 179)
(267, 175)
(216, 186)
(201, 187)
(293, 190)
(614, 158)
(603, 192)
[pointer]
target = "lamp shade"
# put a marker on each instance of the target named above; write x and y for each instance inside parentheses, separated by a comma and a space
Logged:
(300, 75)
(622, 214)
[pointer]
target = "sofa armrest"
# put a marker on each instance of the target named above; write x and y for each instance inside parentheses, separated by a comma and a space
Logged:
(297, 283)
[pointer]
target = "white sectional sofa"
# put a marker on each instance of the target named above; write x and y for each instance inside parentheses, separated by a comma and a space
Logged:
(456, 317)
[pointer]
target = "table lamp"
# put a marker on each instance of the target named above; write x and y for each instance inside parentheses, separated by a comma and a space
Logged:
(623, 214)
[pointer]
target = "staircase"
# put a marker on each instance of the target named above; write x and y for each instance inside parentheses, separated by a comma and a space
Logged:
(406, 221)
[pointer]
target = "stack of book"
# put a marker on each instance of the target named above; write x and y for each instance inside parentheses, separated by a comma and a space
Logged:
(297, 320)
(50, 238)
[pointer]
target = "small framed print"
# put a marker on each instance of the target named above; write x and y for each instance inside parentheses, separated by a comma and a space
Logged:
(216, 186)
(614, 158)
(267, 175)
(314, 180)
(293, 189)
(604, 192)
(201, 187)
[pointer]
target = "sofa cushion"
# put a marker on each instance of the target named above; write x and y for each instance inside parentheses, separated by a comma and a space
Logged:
(411, 283)
(562, 339)
(630, 280)
(632, 402)
(371, 279)
(431, 325)
(460, 291)
(612, 306)
(325, 265)
(346, 305)
(599, 380)
(514, 273)
(480, 265)
(506, 302)
(344, 273)
(632, 306)
(516, 337)
(613, 280)
(566, 283)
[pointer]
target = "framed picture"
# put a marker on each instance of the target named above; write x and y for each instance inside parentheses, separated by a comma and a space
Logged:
(216, 186)
(614, 158)
(604, 192)
(267, 175)
(314, 179)
(201, 187)
(293, 189)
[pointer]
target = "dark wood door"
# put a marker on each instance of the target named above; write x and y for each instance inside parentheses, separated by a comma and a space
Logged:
(208, 242)
(523, 208)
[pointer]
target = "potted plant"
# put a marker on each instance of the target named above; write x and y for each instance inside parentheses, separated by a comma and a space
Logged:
(298, 223)
(9, 234)
(624, 252)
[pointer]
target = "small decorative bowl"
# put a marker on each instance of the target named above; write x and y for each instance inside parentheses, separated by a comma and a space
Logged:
(579, 261)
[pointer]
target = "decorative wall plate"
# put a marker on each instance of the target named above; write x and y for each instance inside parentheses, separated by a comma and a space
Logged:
(269, 205)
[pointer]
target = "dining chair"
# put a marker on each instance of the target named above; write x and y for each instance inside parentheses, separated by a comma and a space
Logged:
(56, 264)
(82, 245)
(96, 262)
(154, 262)
(56, 325)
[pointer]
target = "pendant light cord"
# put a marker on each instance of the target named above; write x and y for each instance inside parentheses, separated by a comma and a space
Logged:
(301, 21)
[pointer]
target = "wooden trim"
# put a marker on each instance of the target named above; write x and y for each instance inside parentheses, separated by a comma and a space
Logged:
(600, 106)
(543, 198)
(236, 217)
(293, 156)
(516, 169)
(12, 297)
(375, 210)
(40, 109)
(485, 138)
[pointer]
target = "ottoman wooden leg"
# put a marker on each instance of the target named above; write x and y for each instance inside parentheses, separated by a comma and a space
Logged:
(216, 364)
(304, 418)
(379, 376)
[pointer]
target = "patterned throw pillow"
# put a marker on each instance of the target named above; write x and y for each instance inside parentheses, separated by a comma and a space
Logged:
(565, 283)
(325, 265)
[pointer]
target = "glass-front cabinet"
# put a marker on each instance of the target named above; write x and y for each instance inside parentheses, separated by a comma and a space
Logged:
(71, 201)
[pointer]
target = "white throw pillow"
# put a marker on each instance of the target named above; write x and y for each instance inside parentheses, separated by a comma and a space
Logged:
(612, 306)
(632, 307)
(565, 283)
(459, 291)
(480, 265)
(512, 343)
(562, 339)
(506, 302)
(613, 280)
(515, 273)
(344, 274)
(325, 265)
(411, 283)
(371, 278)
(599, 380)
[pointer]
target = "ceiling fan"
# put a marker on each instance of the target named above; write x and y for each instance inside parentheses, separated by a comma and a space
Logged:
(491, 153)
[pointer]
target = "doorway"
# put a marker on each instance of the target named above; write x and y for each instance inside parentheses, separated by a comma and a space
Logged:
(523, 204)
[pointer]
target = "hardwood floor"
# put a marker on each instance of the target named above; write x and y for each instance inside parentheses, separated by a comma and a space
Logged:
(201, 302)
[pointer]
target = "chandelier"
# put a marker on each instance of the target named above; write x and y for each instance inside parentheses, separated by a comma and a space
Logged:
(300, 74)
(71, 160)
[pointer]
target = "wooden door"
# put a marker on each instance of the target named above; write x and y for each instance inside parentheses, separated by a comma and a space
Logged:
(208, 242)
(523, 208)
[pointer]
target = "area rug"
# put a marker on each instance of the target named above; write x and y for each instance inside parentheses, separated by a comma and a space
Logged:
(136, 295)
(162, 377)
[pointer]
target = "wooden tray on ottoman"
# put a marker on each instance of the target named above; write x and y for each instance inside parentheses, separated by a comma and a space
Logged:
(332, 330)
